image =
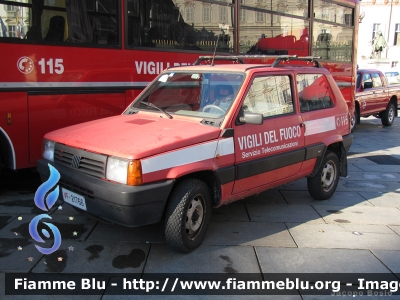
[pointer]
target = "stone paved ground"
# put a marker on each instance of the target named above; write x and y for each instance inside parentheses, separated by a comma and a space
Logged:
(279, 231)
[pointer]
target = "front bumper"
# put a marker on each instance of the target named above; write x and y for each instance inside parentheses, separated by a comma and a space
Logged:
(118, 203)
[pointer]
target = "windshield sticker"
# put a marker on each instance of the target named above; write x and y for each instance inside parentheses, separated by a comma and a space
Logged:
(195, 76)
(163, 78)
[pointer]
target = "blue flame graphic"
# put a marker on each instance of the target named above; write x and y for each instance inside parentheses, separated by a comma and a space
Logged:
(35, 234)
(45, 187)
(40, 202)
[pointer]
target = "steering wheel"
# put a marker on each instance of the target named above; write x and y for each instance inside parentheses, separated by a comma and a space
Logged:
(209, 106)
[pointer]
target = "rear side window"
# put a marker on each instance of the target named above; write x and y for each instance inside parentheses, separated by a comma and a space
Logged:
(376, 80)
(314, 92)
(269, 96)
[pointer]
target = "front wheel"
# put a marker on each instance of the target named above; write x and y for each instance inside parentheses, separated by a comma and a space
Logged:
(388, 115)
(187, 215)
(324, 183)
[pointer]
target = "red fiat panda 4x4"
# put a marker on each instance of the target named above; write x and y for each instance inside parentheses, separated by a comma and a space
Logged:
(200, 137)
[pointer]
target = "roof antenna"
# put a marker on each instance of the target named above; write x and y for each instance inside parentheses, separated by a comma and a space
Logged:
(216, 44)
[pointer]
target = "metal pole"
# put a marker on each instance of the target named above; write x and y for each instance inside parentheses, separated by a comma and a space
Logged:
(390, 20)
(236, 26)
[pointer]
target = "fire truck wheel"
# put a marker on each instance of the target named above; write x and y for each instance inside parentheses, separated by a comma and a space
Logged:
(353, 120)
(324, 183)
(387, 117)
(187, 215)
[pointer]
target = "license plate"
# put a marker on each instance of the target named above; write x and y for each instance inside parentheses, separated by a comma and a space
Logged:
(74, 199)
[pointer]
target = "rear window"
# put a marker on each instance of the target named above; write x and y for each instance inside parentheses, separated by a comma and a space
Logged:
(314, 92)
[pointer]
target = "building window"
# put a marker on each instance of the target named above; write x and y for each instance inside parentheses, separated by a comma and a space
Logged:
(207, 14)
(259, 15)
(242, 12)
(12, 31)
(375, 30)
(189, 12)
(10, 8)
(242, 15)
(348, 19)
(222, 14)
(397, 35)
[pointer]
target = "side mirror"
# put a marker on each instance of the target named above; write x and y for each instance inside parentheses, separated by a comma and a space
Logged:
(367, 85)
(252, 118)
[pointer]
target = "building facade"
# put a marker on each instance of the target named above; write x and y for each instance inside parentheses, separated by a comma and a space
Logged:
(379, 17)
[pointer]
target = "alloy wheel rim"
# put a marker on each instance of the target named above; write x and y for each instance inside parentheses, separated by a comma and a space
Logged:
(391, 115)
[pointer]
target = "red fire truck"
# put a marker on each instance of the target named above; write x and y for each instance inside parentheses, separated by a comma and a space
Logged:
(66, 64)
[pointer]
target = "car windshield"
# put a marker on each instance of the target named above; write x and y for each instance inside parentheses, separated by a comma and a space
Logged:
(358, 79)
(204, 95)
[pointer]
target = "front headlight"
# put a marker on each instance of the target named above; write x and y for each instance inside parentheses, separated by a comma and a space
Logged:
(124, 171)
(48, 149)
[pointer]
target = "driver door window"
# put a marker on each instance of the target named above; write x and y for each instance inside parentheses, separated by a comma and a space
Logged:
(269, 96)
(366, 78)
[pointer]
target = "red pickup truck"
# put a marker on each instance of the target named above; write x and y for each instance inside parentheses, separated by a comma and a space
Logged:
(374, 97)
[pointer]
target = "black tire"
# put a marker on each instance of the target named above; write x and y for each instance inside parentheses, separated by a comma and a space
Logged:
(324, 183)
(354, 120)
(187, 215)
(387, 117)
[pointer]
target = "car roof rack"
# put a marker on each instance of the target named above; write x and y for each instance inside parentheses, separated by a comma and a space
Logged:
(218, 57)
(276, 63)
(286, 58)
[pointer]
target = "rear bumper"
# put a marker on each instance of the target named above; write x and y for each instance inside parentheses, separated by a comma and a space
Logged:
(117, 203)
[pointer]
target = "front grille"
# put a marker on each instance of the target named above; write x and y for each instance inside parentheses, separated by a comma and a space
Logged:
(85, 162)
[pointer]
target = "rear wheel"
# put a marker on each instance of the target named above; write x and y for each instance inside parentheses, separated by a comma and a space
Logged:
(353, 120)
(324, 183)
(187, 216)
(387, 117)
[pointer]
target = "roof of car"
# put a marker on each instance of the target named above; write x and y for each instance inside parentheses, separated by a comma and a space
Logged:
(236, 63)
(222, 67)
(368, 70)
(242, 68)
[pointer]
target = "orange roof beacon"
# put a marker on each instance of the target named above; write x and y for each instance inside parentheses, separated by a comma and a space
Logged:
(203, 136)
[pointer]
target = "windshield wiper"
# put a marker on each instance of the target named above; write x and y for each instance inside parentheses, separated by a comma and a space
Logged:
(156, 107)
